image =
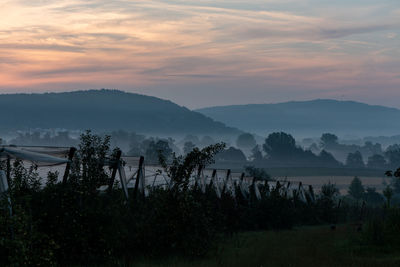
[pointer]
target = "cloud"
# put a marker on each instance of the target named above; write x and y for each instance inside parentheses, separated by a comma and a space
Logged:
(162, 44)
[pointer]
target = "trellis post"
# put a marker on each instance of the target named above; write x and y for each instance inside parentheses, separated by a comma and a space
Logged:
(71, 154)
(114, 171)
(228, 174)
(138, 177)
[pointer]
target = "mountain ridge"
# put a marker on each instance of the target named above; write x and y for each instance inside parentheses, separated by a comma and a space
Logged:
(309, 118)
(104, 110)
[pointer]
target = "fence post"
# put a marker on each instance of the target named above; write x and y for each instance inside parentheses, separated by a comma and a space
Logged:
(8, 169)
(198, 183)
(115, 169)
(71, 154)
(138, 177)
(228, 173)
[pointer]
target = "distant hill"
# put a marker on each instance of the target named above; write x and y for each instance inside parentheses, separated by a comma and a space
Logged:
(104, 110)
(310, 118)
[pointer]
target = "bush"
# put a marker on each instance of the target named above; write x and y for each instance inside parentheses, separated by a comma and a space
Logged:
(74, 223)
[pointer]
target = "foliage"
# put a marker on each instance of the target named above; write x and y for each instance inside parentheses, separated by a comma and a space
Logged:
(279, 145)
(75, 223)
(329, 140)
(388, 193)
(376, 161)
(257, 173)
(355, 160)
(231, 155)
(256, 154)
(182, 168)
(155, 148)
(246, 140)
(356, 188)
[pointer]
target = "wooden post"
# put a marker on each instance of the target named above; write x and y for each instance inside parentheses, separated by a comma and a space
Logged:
(8, 174)
(198, 183)
(114, 171)
(228, 173)
(212, 182)
(122, 177)
(138, 177)
(214, 173)
(71, 154)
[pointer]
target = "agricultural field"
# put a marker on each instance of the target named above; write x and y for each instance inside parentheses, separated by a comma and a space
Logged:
(342, 182)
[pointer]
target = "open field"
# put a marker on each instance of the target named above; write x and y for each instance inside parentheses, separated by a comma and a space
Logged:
(306, 246)
(342, 182)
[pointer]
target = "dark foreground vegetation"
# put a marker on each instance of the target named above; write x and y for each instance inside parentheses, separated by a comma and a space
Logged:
(46, 222)
(304, 246)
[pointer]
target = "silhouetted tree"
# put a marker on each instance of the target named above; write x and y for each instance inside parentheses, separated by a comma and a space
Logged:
(256, 154)
(376, 162)
(393, 154)
(280, 145)
(372, 197)
(356, 189)
(157, 149)
(329, 191)
(231, 154)
(355, 160)
(245, 141)
(388, 193)
(328, 159)
(257, 173)
(328, 140)
(373, 148)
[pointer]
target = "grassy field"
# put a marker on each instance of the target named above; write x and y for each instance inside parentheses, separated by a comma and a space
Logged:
(309, 246)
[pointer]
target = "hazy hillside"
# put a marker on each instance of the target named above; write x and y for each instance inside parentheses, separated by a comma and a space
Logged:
(310, 118)
(103, 110)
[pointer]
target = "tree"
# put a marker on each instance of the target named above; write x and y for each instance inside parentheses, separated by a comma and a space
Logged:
(256, 154)
(395, 183)
(157, 149)
(257, 173)
(328, 140)
(279, 145)
(182, 167)
(355, 160)
(373, 148)
(393, 154)
(388, 193)
(87, 169)
(245, 141)
(329, 191)
(188, 146)
(231, 154)
(328, 159)
(376, 162)
(356, 189)
(372, 197)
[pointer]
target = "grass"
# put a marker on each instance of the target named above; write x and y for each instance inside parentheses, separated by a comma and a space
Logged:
(306, 246)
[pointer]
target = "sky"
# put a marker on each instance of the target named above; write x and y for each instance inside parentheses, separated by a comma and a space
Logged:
(205, 53)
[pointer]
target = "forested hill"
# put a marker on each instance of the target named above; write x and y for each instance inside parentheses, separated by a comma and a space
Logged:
(104, 110)
(310, 118)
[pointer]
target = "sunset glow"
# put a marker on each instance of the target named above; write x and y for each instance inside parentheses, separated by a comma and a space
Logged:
(193, 51)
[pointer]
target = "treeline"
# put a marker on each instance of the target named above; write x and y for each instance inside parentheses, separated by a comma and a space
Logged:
(47, 222)
(279, 149)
